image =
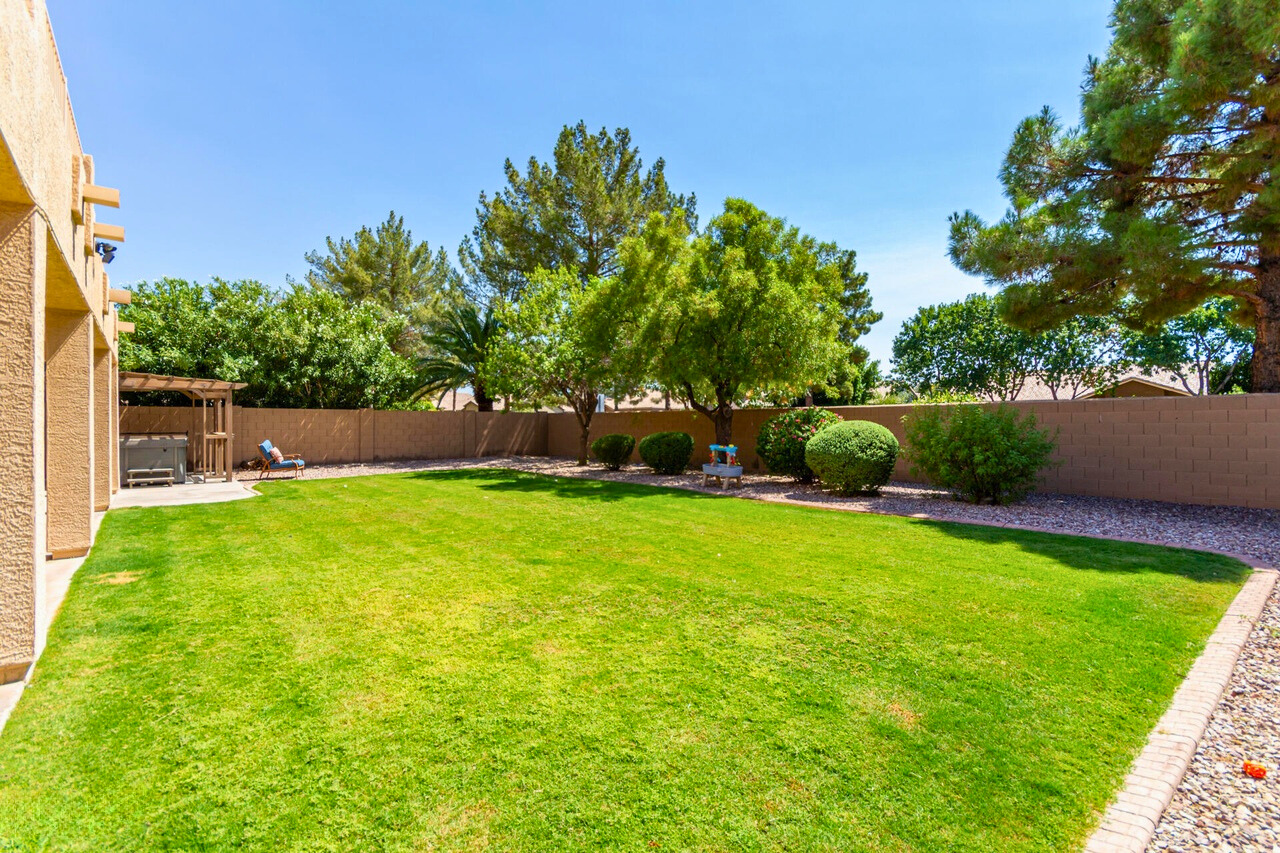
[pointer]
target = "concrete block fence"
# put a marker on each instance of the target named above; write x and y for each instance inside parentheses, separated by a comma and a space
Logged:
(1203, 450)
(327, 436)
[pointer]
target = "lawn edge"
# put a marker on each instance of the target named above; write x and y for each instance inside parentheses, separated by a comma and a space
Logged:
(1130, 821)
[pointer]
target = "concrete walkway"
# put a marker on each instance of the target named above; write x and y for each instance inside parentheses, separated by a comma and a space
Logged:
(51, 589)
(187, 493)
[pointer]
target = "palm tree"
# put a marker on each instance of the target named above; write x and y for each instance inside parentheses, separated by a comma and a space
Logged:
(459, 344)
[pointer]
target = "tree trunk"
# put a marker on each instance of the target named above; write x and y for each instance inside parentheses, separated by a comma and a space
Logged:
(584, 436)
(1266, 347)
(723, 419)
(484, 402)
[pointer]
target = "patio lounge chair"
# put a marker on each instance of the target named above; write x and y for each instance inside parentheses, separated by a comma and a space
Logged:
(291, 462)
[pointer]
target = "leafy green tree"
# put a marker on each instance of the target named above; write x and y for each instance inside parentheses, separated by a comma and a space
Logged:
(460, 342)
(852, 382)
(304, 349)
(570, 339)
(1205, 348)
(572, 213)
(1079, 355)
(386, 267)
(963, 348)
(749, 308)
(1165, 196)
(189, 329)
(966, 349)
(316, 351)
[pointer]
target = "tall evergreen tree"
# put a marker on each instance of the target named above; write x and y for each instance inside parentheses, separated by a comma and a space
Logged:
(572, 213)
(386, 267)
(1165, 196)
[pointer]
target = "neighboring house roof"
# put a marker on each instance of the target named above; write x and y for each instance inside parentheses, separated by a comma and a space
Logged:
(1138, 386)
(648, 401)
(456, 401)
(1035, 389)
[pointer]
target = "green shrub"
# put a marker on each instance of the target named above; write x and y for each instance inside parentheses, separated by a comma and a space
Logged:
(667, 452)
(780, 443)
(852, 456)
(982, 454)
(613, 450)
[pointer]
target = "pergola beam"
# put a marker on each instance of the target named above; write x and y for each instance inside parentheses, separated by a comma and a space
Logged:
(212, 450)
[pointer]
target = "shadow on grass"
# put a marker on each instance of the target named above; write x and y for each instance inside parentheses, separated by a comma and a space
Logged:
(1103, 555)
(609, 491)
(1072, 551)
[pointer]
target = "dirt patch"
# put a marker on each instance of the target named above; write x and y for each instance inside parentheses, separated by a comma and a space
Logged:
(117, 578)
(908, 718)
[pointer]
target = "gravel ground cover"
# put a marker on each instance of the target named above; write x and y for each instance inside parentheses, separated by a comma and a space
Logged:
(1217, 806)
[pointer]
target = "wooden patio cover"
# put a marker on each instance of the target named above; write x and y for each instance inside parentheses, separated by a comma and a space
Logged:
(211, 400)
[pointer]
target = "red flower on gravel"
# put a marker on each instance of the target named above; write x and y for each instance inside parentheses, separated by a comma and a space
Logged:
(1257, 771)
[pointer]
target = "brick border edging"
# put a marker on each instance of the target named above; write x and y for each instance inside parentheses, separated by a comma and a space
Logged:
(1130, 821)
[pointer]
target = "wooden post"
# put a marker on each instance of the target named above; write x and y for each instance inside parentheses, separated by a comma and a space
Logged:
(231, 458)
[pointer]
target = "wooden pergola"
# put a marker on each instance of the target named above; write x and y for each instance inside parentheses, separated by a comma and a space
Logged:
(211, 436)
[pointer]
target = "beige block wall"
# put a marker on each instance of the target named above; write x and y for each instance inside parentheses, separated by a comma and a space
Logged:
(1206, 450)
(1209, 450)
(327, 436)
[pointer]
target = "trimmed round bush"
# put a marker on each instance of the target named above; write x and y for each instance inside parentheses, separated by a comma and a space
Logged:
(780, 443)
(613, 450)
(667, 452)
(852, 456)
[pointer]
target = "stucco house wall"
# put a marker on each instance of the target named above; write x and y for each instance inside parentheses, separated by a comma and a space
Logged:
(58, 330)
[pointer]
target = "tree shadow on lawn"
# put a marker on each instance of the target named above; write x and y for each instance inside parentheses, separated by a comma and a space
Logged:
(1102, 555)
(1075, 552)
(609, 491)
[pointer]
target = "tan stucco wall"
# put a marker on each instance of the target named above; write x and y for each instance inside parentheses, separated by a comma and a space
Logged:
(69, 431)
(104, 418)
(54, 315)
(22, 539)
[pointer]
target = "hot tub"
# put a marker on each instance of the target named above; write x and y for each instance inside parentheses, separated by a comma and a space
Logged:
(153, 459)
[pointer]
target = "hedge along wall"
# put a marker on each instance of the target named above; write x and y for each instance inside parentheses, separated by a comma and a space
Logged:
(361, 435)
(1206, 450)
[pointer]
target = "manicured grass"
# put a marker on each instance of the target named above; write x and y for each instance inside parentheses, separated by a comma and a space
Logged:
(460, 660)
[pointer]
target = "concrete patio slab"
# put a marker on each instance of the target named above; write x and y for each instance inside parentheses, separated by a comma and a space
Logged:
(187, 493)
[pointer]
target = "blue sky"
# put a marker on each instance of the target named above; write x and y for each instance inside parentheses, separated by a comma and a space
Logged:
(241, 135)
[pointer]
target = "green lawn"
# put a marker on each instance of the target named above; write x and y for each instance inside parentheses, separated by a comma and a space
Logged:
(455, 661)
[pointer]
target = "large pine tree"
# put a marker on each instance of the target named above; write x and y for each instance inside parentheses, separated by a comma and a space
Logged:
(1165, 196)
(571, 213)
(384, 266)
